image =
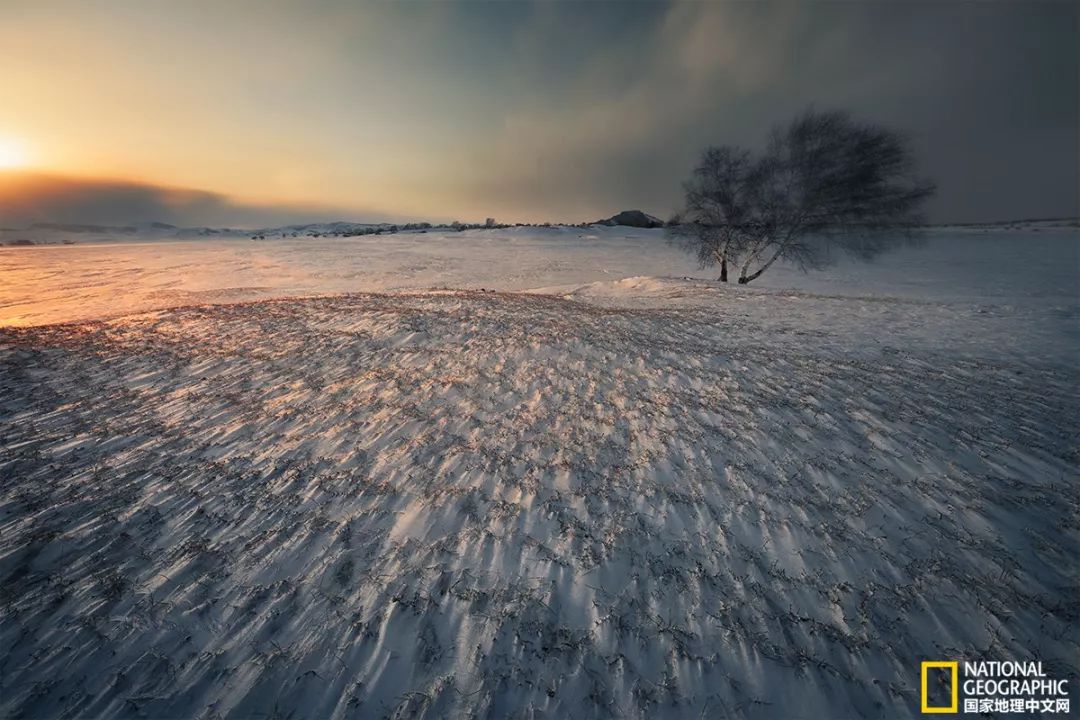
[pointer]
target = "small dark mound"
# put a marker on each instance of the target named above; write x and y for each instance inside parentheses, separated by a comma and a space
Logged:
(633, 218)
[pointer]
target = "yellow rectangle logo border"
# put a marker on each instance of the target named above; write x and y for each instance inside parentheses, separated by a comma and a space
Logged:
(954, 667)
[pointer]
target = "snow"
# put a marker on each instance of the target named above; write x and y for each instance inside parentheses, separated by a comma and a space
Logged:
(59, 283)
(341, 477)
(120, 274)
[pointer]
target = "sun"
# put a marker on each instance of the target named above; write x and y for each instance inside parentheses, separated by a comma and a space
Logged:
(13, 153)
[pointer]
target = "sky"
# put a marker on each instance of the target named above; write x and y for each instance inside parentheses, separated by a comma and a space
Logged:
(259, 112)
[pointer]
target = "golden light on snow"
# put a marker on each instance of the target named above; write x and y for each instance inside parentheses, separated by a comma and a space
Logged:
(13, 153)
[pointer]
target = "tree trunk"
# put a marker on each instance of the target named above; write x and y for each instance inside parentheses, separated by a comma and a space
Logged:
(744, 278)
(742, 274)
(754, 252)
(721, 257)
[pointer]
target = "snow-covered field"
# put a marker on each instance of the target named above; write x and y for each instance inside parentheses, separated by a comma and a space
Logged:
(623, 494)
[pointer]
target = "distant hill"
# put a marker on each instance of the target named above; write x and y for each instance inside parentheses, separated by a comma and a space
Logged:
(82, 228)
(633, 218)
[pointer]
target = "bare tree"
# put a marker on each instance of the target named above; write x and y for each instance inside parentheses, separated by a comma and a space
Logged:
(716, 222)
(825, 181)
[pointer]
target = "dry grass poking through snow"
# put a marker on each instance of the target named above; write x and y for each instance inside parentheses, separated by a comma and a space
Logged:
(470, 504)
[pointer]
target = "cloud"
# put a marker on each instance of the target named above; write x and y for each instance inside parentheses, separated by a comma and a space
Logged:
(636, 110)
(530, 110)
(30, 197)
(988, 94)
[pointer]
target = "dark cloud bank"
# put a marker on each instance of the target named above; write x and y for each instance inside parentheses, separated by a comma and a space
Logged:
(28, 198)
(987, 93)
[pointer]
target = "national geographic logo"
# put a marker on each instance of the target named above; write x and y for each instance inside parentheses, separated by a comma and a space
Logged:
(991, 687)
(953, 667)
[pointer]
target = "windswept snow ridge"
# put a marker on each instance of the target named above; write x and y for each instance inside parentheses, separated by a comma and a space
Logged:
(465, 504)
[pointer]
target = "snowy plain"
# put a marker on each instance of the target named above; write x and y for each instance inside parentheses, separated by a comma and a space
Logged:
(530, 473)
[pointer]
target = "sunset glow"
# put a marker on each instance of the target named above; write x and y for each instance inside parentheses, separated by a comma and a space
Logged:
(13, 153)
